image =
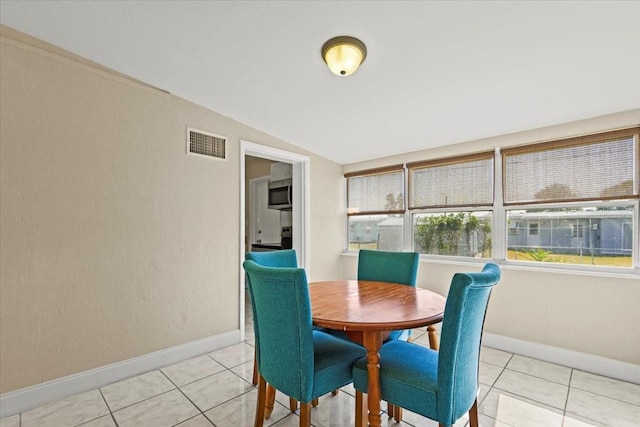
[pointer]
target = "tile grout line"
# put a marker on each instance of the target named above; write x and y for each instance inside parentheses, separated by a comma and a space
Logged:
(221, 403)
(143, 400)
(607, 396)
(569, 387)
(538, 377)
(492, 387)
(113, 418)
(186, 397)
(533, 376)
(208, 376)
(105, 400)
(566, 403)
(529, 398)
(86, 421)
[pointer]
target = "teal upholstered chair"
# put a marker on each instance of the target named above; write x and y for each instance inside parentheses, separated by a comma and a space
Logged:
(301, 362)
(383, 266)
(394, 267)
(284, 258)
(440, 385)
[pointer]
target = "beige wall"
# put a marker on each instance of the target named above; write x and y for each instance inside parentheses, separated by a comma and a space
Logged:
(113, 242)
(590, 313)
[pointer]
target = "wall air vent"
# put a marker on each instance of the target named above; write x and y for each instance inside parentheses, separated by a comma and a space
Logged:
(206, 144)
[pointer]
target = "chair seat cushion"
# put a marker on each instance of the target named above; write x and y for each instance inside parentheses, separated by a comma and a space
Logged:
(342, 335)
(408, 376)
(402, 335)
(333, 362)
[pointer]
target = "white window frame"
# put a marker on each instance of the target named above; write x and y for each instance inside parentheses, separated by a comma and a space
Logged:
(499, 232)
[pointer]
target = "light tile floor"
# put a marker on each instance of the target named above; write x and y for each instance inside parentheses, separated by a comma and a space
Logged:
(215, 390)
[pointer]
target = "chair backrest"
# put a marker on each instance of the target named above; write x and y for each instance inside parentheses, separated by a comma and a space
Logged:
(284, 258)
(283, 326)
(460, 339)
(394, 267)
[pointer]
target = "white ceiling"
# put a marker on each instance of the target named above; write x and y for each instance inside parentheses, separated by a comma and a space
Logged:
(436, 73)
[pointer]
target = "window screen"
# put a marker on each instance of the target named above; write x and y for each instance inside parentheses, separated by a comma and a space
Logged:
(460, 181)
(376, 191)
(600, 168)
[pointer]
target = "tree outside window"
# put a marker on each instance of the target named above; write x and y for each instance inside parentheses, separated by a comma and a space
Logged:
(456, 234)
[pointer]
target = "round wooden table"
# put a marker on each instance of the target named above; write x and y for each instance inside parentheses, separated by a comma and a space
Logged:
(367, 311)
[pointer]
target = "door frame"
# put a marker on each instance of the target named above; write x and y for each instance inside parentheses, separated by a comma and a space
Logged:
(301, 213)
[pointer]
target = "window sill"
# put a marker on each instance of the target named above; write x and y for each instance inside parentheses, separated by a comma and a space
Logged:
(609, 272)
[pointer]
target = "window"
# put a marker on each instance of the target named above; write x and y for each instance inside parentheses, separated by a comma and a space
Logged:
(576, 196)
(515, 227)
(449, 200)
(571, 203)
(577, 230)
(375, 208)
(600, 236)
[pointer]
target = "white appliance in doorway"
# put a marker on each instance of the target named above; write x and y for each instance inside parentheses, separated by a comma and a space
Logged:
(264, 223)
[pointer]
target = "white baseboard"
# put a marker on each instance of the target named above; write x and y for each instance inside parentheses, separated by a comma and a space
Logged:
(573, 359)
(24, 399)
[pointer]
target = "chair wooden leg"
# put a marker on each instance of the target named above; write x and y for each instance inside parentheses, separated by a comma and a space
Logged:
(473, 414)
(293, 404)
(254, 380)
(314, 403)
(398, 414)
(305, 415)
(361, 409)
(394, 412)
(270, 400)
(334, 392)
(262, 391)
(433, 338)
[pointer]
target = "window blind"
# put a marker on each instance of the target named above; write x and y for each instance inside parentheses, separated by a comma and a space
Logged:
(452, 182)
(376, 191)
(598, 167)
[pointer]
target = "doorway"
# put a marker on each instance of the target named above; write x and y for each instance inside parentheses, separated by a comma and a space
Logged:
(300, 210)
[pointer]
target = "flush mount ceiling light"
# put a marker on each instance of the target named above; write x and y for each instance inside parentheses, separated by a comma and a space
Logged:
(344, 55)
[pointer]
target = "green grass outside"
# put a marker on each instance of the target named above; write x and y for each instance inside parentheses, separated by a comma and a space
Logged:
(607, 261)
